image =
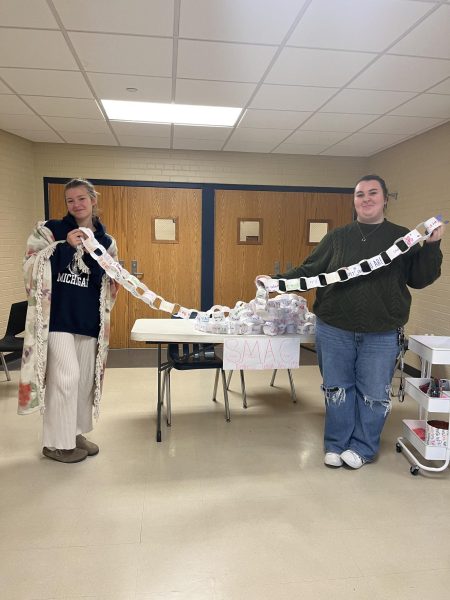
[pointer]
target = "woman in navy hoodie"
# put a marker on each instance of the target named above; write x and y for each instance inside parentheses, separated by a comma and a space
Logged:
(67, 340)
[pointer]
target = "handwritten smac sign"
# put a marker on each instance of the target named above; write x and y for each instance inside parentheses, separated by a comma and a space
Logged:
(261, 353)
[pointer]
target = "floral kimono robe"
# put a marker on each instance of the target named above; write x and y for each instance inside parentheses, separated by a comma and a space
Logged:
(38, 283)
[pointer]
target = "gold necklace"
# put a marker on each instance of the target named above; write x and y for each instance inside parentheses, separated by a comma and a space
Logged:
(365, 236)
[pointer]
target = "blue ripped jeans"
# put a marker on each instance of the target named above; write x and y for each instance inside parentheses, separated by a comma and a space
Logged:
(357, 370)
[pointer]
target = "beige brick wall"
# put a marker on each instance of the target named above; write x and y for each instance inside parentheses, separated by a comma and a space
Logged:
(101, 162)
(17, 215)
(419, 170)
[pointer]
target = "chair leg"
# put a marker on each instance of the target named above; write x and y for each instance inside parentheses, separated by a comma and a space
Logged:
(163, 388)
(215, 385)
(229, 379)
(225, 396)
(243, 390)
(291, 381)
(8, 376)
(272, 381)
(168, 399)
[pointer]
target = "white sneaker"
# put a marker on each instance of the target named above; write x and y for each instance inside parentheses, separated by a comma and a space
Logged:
(332, 459)
(352, 459)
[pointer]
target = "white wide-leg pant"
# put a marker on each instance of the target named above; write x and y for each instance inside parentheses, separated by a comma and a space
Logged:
(69, 393)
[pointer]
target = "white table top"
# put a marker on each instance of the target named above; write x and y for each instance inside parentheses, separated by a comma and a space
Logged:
(182, 330)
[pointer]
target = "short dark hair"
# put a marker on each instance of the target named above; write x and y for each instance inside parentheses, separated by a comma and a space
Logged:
(375, 178)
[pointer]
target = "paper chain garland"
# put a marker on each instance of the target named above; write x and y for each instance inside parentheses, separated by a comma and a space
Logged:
(264, 283)
(363, 267)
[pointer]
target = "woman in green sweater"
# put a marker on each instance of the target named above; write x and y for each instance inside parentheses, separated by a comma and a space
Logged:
(358, 322)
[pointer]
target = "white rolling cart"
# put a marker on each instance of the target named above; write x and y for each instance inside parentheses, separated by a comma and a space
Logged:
(433, 350)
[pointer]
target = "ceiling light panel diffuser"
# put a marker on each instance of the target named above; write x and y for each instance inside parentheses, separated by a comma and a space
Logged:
(181, 114)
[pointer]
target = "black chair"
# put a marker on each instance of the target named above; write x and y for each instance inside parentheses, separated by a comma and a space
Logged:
(16, 324)
(187, 357)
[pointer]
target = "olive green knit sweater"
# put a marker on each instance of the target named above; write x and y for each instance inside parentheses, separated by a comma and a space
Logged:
(376, 302)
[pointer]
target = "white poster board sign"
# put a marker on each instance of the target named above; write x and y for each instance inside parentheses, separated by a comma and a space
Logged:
(276, 352)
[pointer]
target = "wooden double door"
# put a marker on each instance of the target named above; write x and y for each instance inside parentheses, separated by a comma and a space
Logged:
(172, 270)
(284, 218)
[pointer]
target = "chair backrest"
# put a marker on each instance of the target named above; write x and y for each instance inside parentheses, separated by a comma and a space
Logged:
(17, 318)
(183, 351)
(192, 353)
(177, 351)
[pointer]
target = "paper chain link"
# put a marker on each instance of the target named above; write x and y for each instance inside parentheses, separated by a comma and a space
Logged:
(264, 283)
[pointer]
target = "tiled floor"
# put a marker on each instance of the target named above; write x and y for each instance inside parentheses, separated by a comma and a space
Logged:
(218, 511)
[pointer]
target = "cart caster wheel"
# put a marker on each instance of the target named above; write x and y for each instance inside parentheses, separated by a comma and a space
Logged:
(414, 470)
(398, 447)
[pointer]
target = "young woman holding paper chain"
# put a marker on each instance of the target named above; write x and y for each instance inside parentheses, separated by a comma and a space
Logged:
(67, 330)
(358, 322)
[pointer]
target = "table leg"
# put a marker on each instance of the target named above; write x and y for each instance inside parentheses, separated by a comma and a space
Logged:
(159, 407)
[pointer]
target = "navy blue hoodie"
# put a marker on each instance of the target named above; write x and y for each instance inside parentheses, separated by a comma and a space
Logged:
(75, 295)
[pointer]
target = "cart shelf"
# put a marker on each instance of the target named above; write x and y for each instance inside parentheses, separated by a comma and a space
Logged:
(412, 389)
(428, 452)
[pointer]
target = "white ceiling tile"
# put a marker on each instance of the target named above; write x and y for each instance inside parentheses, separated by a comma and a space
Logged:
(64, 107)
(23, 13)
(426, 105)
(441, 88)
(398, 124)
(317, 137)
(132, 16)
(243, 146)
(430, 38)
(336, 122)
(250, 21)
(364, 144)
(285, 97)
(370, 25)
(38, 136)
(124, 54)
(22, 122)
(402, 73)
(149, 130)
(13, 105)
(251, 134)
(35, 49)
(189, 144)
(345, 151)
(114, 87)
(303, 66)
(94, 139)
(224, 49)
(282, 119)
(366, 101)
(66, 124)
(213, 93)
(290, 148)
(223, 62)
(42, 82)
(218, 134)
(140, 141)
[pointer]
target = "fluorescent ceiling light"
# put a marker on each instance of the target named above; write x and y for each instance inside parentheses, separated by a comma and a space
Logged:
(181, 114)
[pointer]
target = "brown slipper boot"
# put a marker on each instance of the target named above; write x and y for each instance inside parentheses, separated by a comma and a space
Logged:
(65, 456)
(91, 448)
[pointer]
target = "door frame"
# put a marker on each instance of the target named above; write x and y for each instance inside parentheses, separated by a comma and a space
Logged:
(208, 210)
